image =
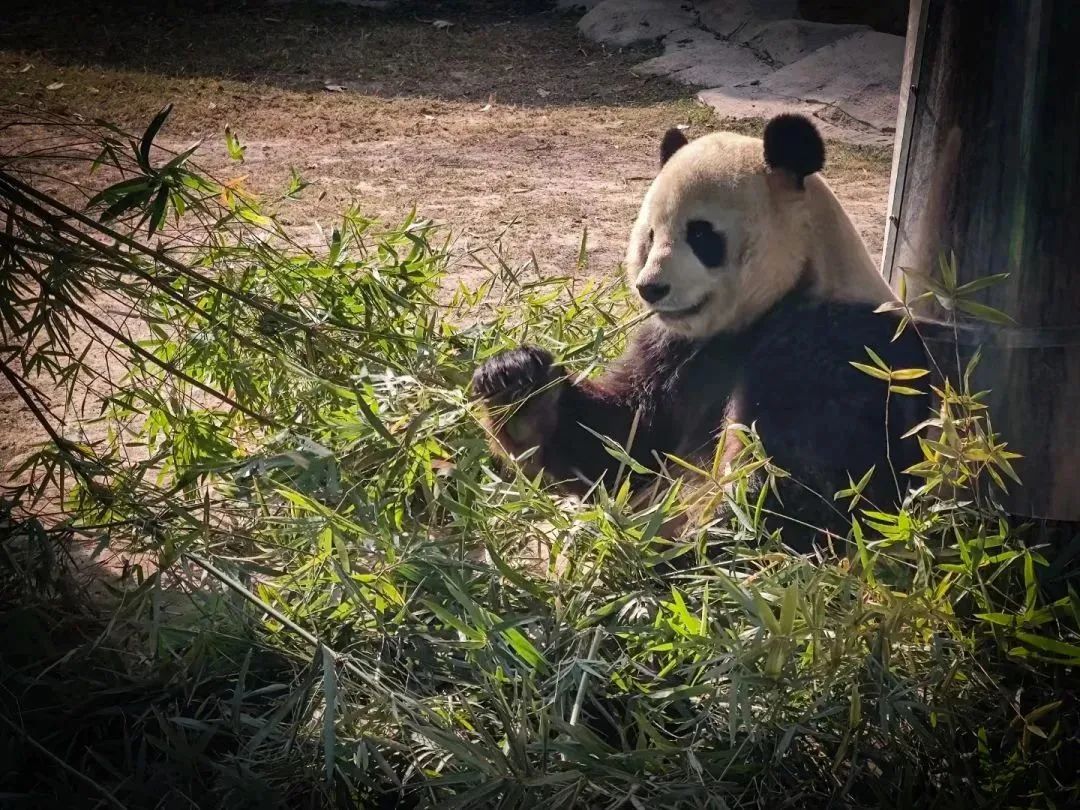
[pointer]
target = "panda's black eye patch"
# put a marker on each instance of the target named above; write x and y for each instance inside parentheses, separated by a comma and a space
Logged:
(708, 245)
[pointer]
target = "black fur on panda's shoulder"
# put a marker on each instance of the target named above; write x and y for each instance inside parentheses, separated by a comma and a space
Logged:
(803, 352)
(822, 419)
(801, 322)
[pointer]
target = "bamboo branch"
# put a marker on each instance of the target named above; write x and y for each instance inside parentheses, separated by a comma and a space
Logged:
(143, 353)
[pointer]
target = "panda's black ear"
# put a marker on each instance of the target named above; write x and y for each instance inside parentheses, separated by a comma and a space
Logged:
(794, 145)
(673, 141)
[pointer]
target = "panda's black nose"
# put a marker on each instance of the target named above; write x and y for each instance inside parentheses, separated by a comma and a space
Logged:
(652, 293)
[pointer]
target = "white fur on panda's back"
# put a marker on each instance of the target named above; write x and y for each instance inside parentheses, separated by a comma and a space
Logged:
(842, 267)
(780, 232)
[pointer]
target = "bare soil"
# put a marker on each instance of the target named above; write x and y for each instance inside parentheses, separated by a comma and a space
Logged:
(506, 117)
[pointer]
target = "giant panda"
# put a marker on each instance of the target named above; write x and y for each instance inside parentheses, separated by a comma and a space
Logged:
(761, 295)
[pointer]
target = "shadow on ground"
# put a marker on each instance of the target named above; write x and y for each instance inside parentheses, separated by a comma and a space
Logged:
(405, 52)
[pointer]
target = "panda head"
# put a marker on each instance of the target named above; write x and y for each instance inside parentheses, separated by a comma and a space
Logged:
(724, 230)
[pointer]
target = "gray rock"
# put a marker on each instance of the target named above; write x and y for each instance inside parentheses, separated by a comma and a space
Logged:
(630, 22)
(743, 18)
(853, 74)
(851, 87)
(787, 41)
(377, 5)
(576, 5)
(758, 59)
(752, 102)
(698, 57)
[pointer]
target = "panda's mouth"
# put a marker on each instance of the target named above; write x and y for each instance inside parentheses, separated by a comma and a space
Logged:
(687, 312)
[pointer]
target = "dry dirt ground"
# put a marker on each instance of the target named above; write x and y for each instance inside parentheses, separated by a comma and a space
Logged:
(569, 139)
(506, 116)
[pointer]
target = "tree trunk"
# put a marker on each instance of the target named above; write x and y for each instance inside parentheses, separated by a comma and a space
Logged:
(988, 166)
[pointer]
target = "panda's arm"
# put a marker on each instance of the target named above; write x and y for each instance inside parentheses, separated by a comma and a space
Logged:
(532, 403)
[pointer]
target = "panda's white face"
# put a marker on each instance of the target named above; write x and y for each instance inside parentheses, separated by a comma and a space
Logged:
(718, 239)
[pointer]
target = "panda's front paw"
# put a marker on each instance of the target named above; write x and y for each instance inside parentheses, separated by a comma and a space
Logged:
(512, 375)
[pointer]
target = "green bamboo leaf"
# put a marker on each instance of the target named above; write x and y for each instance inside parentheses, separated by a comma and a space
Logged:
(877, 359)
(872, 371)
(119, 190)
(972, 364)
(788, 609)
(330, 696)
(373, 419)
(148, 138)
(1002, 619)
(135, 199)
(1052, 645)
(947, 266)
(182, 158)
(583, 256)
(1030, 584)
(985, 313)
(450, 620)
(1042, 711)
(514, 577)
(865, 558)
(908, 373)
(686, 465)
(865, 480)
(525, 649)
(1001, 460)
(855, 707)
(158, 211)
(765, 612)
(232, 145)
(618, 452)
(295, 185)
(901, 326)
(980, 283)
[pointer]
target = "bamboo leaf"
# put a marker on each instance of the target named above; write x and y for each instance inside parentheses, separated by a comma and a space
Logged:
(872, 371)
(908, 373)
(1071, 652)
(233, 146)
(330, 697)
(985, 313)
(148, 137)
(980, 283)
(788, 609)
(583, 256)
(876, 358)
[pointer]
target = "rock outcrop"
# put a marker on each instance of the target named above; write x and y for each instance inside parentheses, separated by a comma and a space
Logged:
(754, 58)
